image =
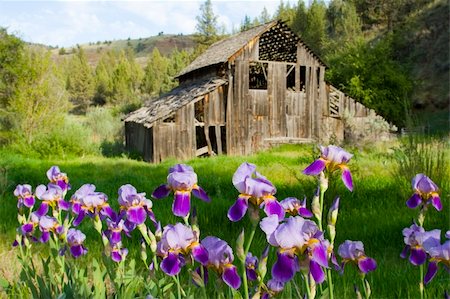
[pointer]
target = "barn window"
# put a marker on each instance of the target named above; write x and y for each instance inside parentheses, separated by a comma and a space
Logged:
(290, 77)
(258, 75)
(170, 119)
(302, 78)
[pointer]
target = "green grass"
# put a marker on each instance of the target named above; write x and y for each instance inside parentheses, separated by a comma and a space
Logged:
(374, 213)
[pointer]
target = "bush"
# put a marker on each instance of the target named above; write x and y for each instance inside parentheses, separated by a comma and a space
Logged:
(69, 139)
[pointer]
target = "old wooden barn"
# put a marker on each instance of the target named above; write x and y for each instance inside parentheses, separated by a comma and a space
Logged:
(260, 87)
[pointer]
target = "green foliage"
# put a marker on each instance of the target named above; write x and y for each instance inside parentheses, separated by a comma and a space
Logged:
(207, 27)
(422, 154)
(40, 101)
(80, 81)
(11, 62)
(369, 74)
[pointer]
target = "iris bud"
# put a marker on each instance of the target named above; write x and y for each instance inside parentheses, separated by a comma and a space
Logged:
(240, 246)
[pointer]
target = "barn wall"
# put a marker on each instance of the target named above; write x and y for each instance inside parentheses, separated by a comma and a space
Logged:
(175, 139)
(139, 139)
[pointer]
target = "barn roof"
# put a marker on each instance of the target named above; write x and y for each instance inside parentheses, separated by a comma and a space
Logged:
(169, 103)
(282, 39)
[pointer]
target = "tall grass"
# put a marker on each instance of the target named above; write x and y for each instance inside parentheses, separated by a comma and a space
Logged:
(418, 153)
(374, 213)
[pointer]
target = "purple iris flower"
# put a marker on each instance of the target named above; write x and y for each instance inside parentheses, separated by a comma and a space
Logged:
(273, 288)
(75, 239)
(59, 178)
(220, 259)
(251, 264)
(182, 180)
(425, 192)
(86, 201)
(178, 241)
(27, 229)
(114, 231)
(135, 206)
(418, 242)
(438, 254)
(257, 190)
(332, 158)
(47, 225)
(353, 251)
(296, 237)
(52, 196)
(118, 253)
(24, 195)
(295, 207)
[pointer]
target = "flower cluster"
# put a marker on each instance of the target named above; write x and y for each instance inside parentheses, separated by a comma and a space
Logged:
(302, 245)
(420, 244)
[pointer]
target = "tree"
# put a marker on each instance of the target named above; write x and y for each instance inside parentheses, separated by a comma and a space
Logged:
(344, 22)
(156, 75)
(315, 35)
(80, 82)
(285, 13)
(207, 27)
(264, 17)
(300, 21)
(11, 66)
(246, 24)
(40, 103)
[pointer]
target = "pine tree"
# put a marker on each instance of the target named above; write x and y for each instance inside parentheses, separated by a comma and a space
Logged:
(40, 103)
(264, 17)
(207, 27)
(315, 35)
(80, 82)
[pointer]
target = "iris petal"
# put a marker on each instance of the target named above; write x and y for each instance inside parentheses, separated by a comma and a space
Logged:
(63, 205)
(418, 256)
(29, 201)
(171, 265)
(231, 277)
(238, 209)
(109, 212)
(182, 203)
(27, 228)
(79, 218)
(319, 255)
(161, 192)
(200, 194)
(43, 209)
(367, 264)
(316, 272)
(76, 250)
(436, 202)
(347, 178)
(200, 254)
(315, 167)
(136, 215)
(273, 207)
(432, 270)
(304, 212)
(284, 268)
(414, 201)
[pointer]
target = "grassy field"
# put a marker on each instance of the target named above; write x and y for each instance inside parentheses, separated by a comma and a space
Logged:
(374, 213)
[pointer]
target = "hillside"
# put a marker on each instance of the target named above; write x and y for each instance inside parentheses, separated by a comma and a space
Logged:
(422, 43)
(142, 47)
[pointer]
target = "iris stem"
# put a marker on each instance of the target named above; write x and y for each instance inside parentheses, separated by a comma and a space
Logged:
(247, 248)
(321, 200)
(364, 287)
(177, 280)
(330, 284)
(308, 289)
(421, 287)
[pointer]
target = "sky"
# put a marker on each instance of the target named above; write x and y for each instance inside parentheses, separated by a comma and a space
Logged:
(66, 23)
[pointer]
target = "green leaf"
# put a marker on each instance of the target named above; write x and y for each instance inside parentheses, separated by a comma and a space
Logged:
(167, 287)
(4, 283)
